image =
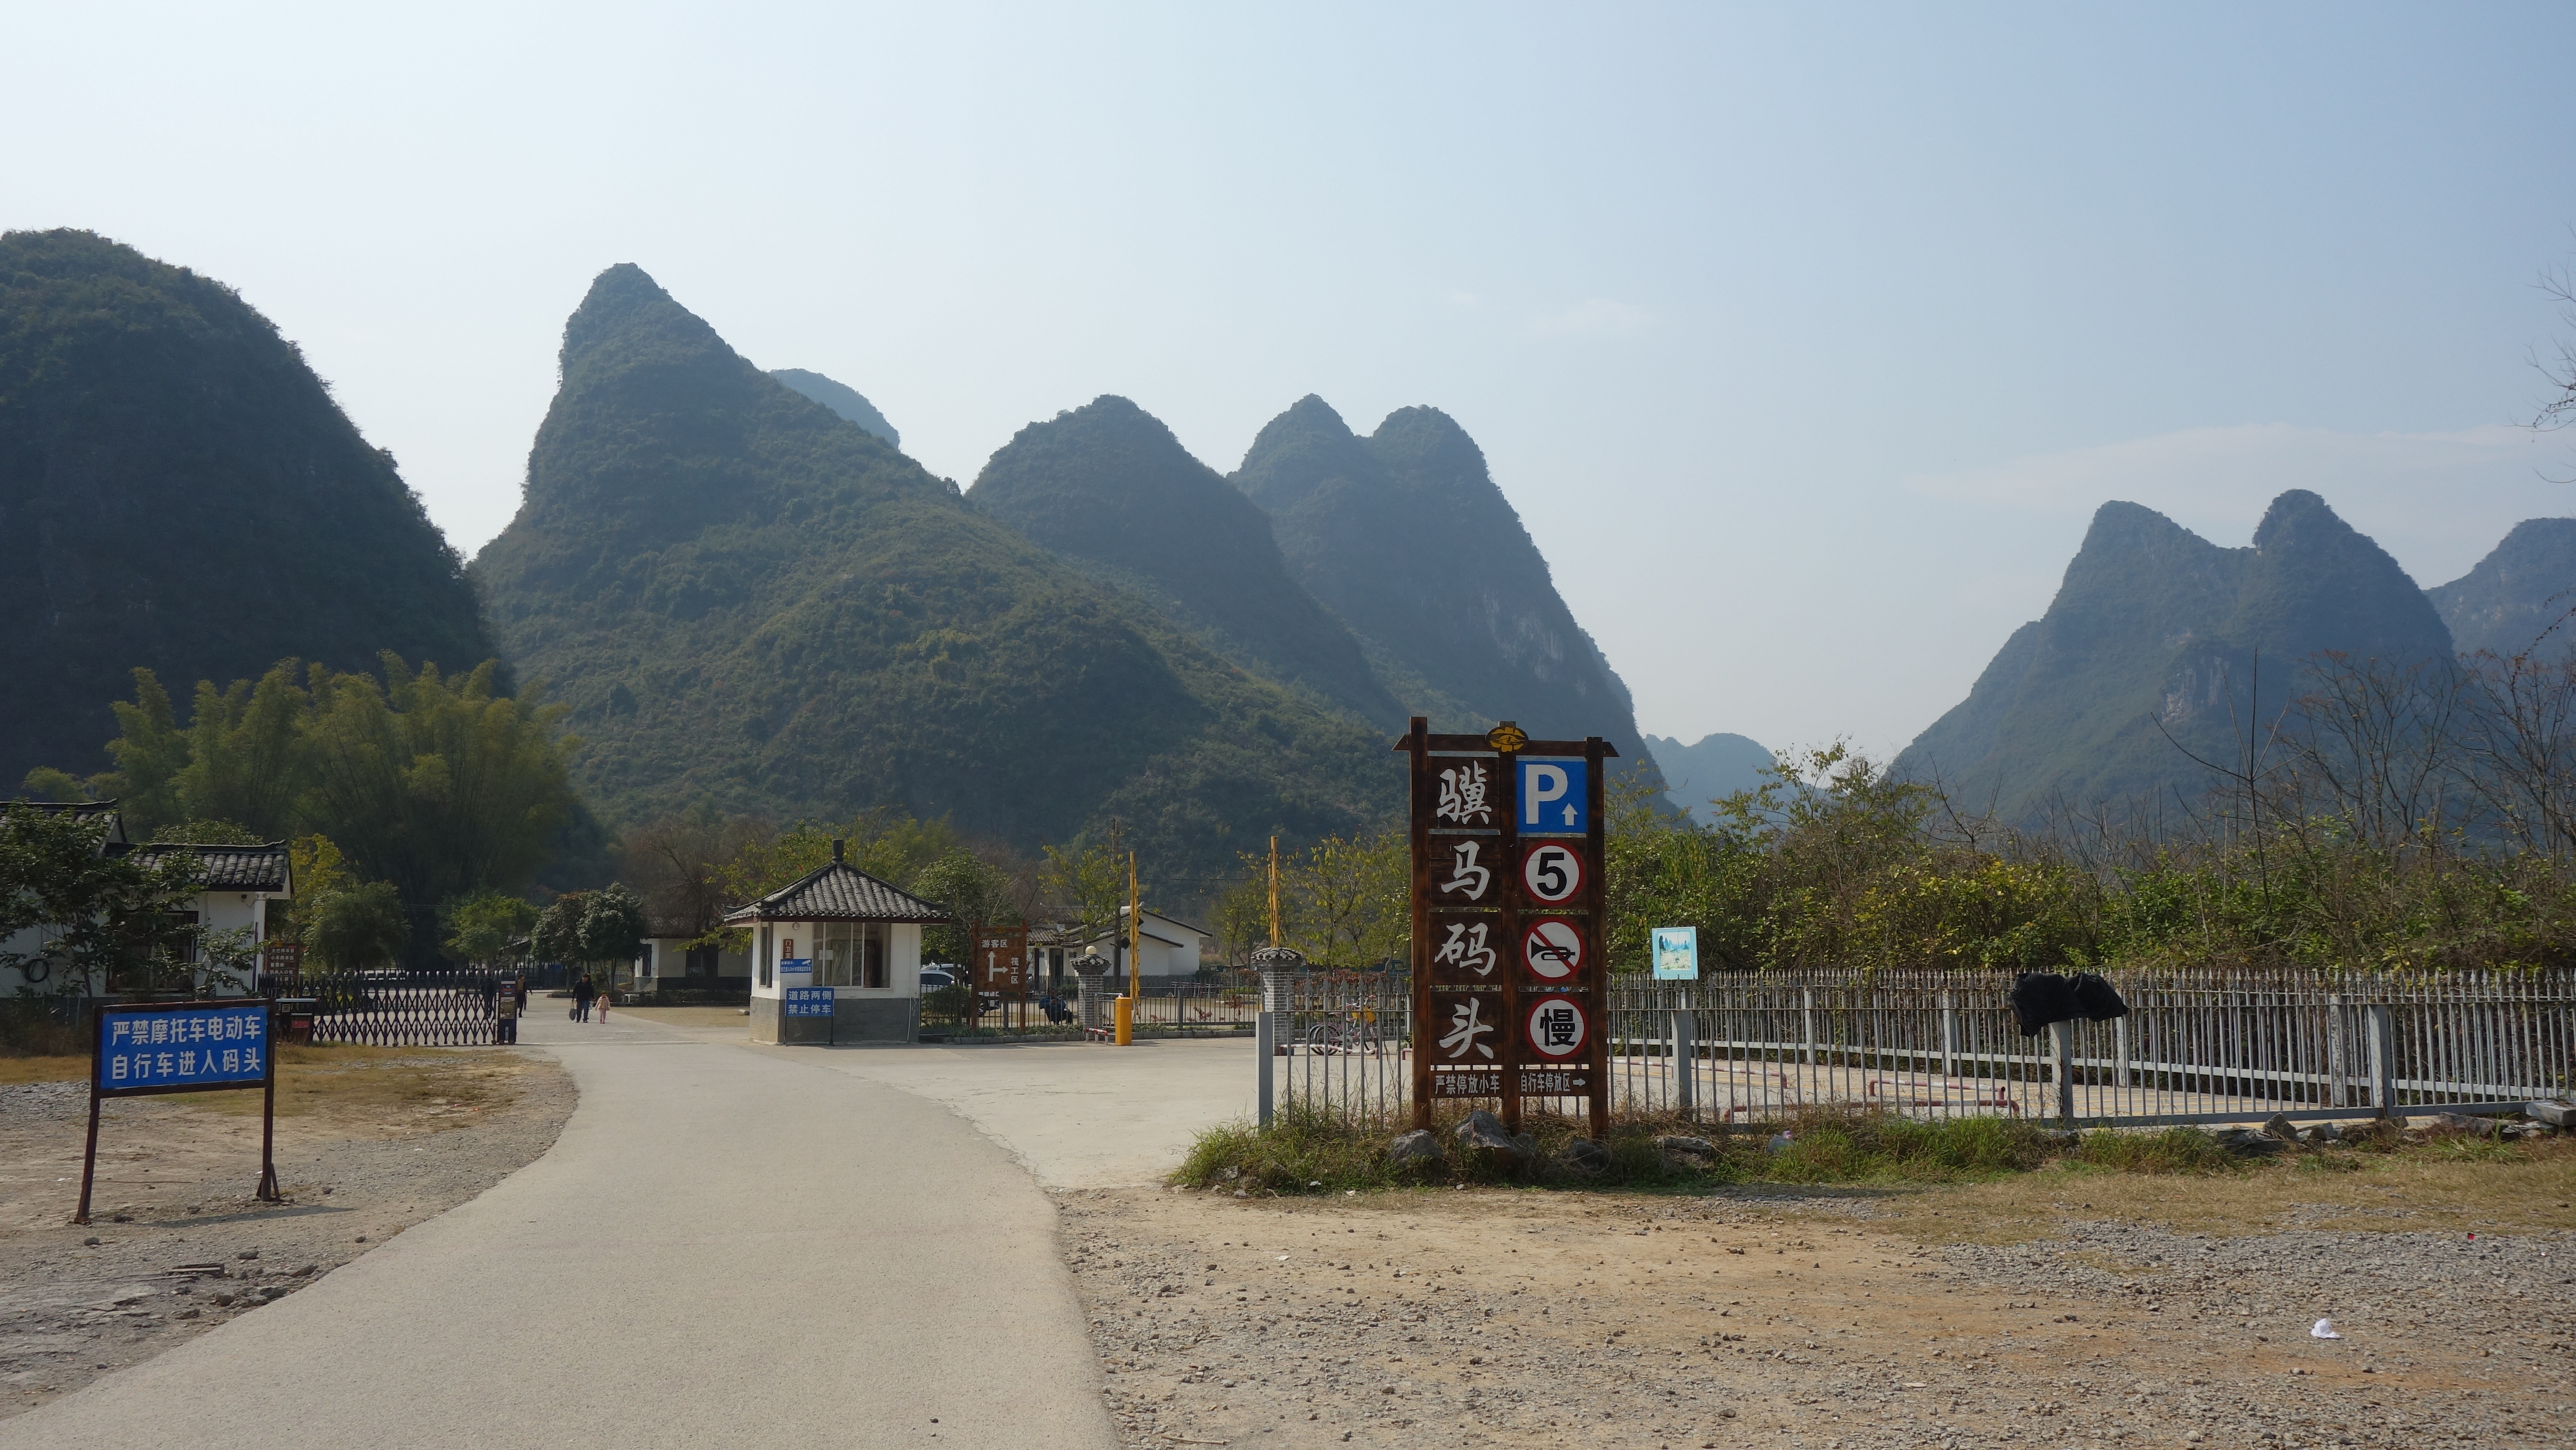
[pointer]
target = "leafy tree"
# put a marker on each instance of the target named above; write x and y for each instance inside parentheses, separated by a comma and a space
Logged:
(1085, 887)
(151, 754)
(481, 927)
(357, 927)
(612, 925)
(1347, 901)
(98, 921)
(977, 892)
(886, 843)
(558, 933)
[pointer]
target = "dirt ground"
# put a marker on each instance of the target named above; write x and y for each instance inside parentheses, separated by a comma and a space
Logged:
(2055, 1309)
(369, 1142)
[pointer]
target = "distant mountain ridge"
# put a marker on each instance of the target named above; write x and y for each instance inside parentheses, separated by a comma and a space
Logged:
(2521, 591)
(2159, 639)
(1404, 536)
(179, 491)
(1713, 767)
(840, 398)
(1108, 485)
(751, 601)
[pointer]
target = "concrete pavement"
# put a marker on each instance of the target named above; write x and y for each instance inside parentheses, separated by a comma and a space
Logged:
(725, 1247)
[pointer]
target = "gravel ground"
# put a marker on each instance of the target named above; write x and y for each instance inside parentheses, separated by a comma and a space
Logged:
(1479, 1318)
(175, 1187)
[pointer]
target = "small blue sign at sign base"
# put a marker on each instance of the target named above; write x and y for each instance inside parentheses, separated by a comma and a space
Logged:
(1676, 954)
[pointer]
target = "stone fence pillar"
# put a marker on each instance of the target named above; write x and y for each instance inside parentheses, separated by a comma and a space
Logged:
(1094, 972)
(1278, 966)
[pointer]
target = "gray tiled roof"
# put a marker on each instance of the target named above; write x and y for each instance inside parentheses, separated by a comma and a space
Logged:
(839, 892)
(228, 868)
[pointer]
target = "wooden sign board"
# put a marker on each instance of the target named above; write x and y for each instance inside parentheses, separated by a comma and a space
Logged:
(1509, 985)
(1002, 962)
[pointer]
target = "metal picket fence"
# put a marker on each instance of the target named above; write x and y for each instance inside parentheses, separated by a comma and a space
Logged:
(2198, 1046)
(411, 1009)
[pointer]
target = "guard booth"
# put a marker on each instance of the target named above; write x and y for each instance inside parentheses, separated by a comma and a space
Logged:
(836, 957)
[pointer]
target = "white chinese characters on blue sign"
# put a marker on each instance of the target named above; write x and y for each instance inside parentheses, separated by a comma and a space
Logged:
(183, 1047)
(1556, 796)
(809, 1001)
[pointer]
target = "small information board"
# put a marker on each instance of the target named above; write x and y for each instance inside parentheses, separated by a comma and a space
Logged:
(807, 1001)
(141, 1049)
(1676, 954)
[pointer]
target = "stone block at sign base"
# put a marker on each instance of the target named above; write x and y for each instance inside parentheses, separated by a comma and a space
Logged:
(2555, 1114)
(1482, 1132)
(1419, 1146)
(1585, 1156)
(1683, 1146)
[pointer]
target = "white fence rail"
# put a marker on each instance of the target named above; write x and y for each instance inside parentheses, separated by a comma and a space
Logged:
(2195, 1047)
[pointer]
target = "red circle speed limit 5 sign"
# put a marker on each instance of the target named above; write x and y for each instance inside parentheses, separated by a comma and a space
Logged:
(1558, 1029)
(1551, 872)
(1552, 948)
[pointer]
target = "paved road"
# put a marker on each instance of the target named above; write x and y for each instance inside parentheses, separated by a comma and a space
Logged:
(726, 1247)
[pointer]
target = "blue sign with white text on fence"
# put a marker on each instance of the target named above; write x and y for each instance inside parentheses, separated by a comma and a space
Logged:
(169, 1049)
(809, 1001)
(1556, 796)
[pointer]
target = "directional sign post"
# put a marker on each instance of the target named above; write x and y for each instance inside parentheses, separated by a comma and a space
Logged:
(145, 1049)
(1508, 983)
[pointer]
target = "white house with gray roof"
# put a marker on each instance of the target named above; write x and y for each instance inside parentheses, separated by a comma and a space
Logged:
(238, 887)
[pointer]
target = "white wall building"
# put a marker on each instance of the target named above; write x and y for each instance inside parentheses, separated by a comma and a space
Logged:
(242, 887)
(1169, 949)
(840, 929)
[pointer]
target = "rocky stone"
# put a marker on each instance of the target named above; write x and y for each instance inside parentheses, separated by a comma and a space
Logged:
(1585, 1156)
(1419, 1146)
(2557, 1114)
(1482, 1132)
(1683, 1145)
(2245, 1142)
(2450, 1123)
(2279, 1126)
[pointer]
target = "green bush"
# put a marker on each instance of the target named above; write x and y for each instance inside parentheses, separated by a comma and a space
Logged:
(2175, 1150)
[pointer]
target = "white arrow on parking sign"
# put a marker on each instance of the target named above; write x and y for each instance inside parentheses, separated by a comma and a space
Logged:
(1553, 795)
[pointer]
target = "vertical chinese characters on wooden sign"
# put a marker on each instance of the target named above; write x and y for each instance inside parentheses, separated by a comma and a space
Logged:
(1507, 982)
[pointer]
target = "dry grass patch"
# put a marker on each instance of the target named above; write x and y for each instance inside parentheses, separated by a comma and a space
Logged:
(14, 1070)
(397, 1088)
(733, 1019)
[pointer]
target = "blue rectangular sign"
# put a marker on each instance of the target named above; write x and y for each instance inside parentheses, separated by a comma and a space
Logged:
(1676, 954)
(809, 1001)
(796, 966)
(170, 1048)
(1555, 795)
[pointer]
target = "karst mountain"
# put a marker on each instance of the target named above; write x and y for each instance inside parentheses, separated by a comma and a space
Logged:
(180, 491)
(751, 601)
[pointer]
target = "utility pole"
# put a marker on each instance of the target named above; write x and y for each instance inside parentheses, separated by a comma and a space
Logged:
(1274, 891)
(1135, 932)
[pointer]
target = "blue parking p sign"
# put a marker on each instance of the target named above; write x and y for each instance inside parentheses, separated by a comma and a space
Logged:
(1556, 796)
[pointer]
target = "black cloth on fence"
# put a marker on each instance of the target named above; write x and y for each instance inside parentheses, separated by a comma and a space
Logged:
(2040, 998)
(2097, 1000)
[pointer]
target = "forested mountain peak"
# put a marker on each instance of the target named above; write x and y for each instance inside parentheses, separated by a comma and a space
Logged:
(1109, 486)
(182, 494)
(750, 602)
(1406, 537)
(2517, 596)
(2159, 641)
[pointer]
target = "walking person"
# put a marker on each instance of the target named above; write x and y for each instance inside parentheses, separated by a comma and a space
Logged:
(606, 996)
(582, 993)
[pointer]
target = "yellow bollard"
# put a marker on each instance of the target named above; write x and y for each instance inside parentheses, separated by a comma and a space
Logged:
(1122, 1014)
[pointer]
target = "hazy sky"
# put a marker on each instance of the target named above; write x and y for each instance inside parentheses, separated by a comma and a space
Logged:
(1804, 345)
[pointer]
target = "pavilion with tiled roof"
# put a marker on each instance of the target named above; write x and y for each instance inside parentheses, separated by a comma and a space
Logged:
(837, 928)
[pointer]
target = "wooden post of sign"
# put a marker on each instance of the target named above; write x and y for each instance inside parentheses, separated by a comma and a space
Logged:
(89, 1155)
(1507, 851)
(1596, 898)
(268, 1190)
(1417, 746)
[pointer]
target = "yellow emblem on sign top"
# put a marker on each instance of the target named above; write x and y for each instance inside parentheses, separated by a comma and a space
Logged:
(1507, 737)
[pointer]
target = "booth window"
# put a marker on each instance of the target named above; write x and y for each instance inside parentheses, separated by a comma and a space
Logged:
(764, 956)
(873, 945)
(850, 954)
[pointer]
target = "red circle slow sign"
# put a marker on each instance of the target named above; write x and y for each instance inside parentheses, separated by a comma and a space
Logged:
(1552, 948)
(1551, 872)
(1558, 1029)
